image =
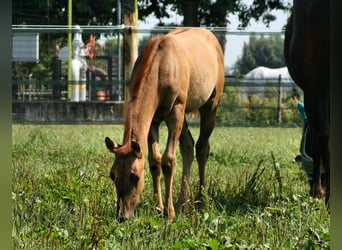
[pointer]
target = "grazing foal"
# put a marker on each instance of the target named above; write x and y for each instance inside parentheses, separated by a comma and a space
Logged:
(176, 73)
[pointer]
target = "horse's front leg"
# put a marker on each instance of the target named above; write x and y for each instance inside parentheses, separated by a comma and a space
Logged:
(174, 123)
(316, 187)
(154, 158)
(317, 109)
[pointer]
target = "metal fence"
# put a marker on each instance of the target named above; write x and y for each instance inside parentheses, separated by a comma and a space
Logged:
(40, 79)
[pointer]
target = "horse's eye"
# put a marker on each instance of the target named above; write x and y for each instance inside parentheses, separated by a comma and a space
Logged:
(134, 178)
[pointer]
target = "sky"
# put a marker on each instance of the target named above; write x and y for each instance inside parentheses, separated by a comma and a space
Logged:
(235, 42)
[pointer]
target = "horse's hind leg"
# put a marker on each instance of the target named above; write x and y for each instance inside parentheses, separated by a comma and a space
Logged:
(323, 144)
(316, 187)
(186, 145)
(318, 114)
(320, 186)
(154, 158)
(326, 181)
(208, 116)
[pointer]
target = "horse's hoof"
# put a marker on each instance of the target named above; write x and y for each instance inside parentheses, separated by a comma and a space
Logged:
(121, 219)
(200, 205)
(160, 210)
(317, 192)
(327, 203)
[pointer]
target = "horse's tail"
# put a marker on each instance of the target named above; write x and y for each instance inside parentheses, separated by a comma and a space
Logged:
(140, 70)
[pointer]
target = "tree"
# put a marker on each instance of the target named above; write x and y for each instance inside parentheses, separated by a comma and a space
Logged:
(85, 12)
(261, 51)
(213, 13)
(195, 12)
(54, 12)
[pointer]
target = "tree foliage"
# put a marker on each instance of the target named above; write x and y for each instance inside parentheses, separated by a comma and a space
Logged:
(213, 13)
(85, 12)
(105, 12)
(195, 12)
(261, 51)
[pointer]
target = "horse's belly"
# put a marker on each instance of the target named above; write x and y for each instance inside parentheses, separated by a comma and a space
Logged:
(198, 94)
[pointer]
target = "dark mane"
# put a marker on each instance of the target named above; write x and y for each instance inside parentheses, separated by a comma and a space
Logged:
(140, 71)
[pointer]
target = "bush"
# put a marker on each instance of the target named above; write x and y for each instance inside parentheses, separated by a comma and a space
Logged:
(234, 110)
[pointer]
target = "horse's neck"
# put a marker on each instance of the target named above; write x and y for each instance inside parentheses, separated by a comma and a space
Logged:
(138, 120)
(144, 95)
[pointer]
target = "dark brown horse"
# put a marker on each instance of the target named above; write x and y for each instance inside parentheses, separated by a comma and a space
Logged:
(307, 57)
(176, 73)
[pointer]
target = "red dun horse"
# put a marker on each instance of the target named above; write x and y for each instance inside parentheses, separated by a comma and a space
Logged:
(176, 73)
(307, 57)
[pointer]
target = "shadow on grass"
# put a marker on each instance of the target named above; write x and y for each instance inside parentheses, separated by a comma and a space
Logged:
(257, 188)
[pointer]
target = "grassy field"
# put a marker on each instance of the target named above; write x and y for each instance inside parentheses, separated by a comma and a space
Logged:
(256, 196)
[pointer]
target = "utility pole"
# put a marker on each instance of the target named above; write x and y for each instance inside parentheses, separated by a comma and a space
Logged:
(69, 47)
(130, 41)
(279, 100)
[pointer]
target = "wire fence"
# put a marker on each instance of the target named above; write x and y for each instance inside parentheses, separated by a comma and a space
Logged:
(40, 76)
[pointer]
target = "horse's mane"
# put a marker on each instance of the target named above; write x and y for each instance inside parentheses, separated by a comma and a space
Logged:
(141, 68)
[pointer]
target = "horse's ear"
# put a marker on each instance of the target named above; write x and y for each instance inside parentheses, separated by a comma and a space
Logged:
(136, 149)
(110, 144)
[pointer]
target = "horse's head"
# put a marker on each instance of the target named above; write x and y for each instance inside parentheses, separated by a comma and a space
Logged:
(128, 175)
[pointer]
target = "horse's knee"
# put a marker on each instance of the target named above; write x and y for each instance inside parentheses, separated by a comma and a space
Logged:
(154, 158)
(167, 170)
(168, 165)
(155, 169)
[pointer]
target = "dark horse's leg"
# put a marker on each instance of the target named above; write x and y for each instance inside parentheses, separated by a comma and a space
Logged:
(306, 46)
(317, 108)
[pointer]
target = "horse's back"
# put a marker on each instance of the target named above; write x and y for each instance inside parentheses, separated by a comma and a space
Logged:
(200, 43)
(201, 62)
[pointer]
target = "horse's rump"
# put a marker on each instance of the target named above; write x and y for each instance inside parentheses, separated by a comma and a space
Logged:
(184, 61)
(203, 53)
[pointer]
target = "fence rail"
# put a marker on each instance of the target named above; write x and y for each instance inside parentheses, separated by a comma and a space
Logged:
(121, 28)
(40, 88)
(56, 90)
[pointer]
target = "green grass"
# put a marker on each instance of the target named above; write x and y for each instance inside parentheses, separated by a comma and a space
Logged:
(256, 196)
